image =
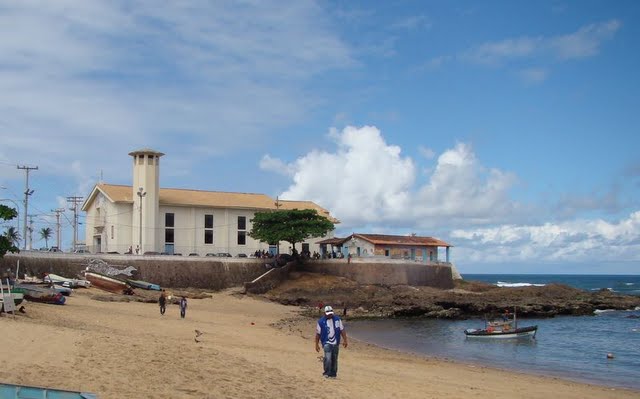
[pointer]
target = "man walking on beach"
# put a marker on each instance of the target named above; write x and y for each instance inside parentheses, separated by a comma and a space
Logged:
(329, 331)
(183, 307)
(162, 301)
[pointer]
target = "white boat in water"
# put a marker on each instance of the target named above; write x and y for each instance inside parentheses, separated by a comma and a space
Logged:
(502, 329)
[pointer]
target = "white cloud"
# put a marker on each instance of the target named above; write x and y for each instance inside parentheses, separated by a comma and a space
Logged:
(426, 152)
(584, 42)
(276, 165)
(82, 81)
(367, 181)
(579, 240)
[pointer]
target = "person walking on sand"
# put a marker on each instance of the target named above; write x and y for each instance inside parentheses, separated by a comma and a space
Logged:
(329, 332)
(183, 307)
(162, 301)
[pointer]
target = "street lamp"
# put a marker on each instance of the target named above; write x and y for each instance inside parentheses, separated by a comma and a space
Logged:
(141, 193)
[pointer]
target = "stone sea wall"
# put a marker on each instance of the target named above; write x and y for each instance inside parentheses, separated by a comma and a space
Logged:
(220, 273)
(384, 273)
(168, 271)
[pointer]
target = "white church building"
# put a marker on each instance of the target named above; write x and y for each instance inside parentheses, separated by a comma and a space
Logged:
(144, 218)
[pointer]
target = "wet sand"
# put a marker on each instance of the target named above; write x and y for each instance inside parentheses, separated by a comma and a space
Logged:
(250, 349)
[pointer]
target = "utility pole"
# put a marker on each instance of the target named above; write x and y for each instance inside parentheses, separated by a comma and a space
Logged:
(58, 211)
(30, 232)
(75, 201)
(27, 193)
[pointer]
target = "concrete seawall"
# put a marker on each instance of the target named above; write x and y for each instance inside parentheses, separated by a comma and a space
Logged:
(384, 273)
(168, 271)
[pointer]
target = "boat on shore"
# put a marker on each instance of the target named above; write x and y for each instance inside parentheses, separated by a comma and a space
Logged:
(107, 283)
(66, 282)
(23, 391)
(42, 294)
(145, 285)
(502, 329)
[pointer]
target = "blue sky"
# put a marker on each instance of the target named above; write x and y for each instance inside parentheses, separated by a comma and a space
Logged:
(506, 128)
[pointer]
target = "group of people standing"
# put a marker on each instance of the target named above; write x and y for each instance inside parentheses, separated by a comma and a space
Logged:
(162, 301)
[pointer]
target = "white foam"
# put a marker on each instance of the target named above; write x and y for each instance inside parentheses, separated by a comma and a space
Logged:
(628, 283)
(511, 285)
(599, 311)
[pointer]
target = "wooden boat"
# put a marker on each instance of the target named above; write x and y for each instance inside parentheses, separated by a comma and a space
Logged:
(22, 391)
(107, 283)
(42, 294)
(502, 329)
(66, 282)
(502, 333)
(144, 285)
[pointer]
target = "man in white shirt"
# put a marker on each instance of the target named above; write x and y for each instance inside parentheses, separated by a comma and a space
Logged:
(329, 332)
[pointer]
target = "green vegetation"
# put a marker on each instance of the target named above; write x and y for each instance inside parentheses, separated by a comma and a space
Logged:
(292, 226)
(45, 234)
(9, 240)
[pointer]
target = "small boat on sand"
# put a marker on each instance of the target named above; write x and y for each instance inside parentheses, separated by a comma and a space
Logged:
(145, 285)
(502, 329)
(107, 283)
(66, 282)
(22, 391)
(42, 294)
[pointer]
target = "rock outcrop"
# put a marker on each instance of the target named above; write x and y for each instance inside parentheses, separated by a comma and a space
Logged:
(467, 299)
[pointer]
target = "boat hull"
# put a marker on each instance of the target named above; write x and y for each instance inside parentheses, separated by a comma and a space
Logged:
(518, 333)
(106, 283)
(144, 285)
(44, 295)
(66, 282)
(22, 391)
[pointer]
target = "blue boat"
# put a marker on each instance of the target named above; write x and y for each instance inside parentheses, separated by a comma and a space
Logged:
(10, 391)
(144, 285)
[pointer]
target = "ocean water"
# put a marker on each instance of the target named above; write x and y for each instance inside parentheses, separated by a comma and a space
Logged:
(622, 284)
(570, 347)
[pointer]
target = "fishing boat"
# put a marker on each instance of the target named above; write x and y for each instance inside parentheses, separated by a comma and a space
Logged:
(144, 285)
(22, 391)
(502, 329)
(66, 282)
(42, 294)
(107, 283)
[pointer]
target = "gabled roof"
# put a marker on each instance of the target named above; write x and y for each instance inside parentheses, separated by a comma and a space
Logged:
(384, 239)
(215, 199)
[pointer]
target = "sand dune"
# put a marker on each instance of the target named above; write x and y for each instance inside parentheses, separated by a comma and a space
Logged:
(249, 348)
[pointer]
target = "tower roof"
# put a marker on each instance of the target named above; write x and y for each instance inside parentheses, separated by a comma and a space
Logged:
(146, 151)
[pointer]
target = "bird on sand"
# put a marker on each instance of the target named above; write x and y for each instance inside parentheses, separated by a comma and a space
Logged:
(198, 333)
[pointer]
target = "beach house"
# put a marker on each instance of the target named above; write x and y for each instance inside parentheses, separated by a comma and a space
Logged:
(425, 249)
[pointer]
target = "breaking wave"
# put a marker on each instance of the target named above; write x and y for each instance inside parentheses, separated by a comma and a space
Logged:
(511, 285)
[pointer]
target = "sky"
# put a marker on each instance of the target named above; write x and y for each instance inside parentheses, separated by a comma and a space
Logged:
(507, 128)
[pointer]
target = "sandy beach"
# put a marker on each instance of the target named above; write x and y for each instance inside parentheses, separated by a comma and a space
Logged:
(250, 349)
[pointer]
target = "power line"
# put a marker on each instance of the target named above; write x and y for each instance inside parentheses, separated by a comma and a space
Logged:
(27, 193)
(75, 201)
(58, 211)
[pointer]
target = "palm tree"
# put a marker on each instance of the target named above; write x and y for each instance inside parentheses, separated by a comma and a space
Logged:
(12, 235)
(46, 233)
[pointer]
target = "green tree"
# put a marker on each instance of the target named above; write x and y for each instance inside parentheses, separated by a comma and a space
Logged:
(289, 225)
(45, 234)
(9, 240)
